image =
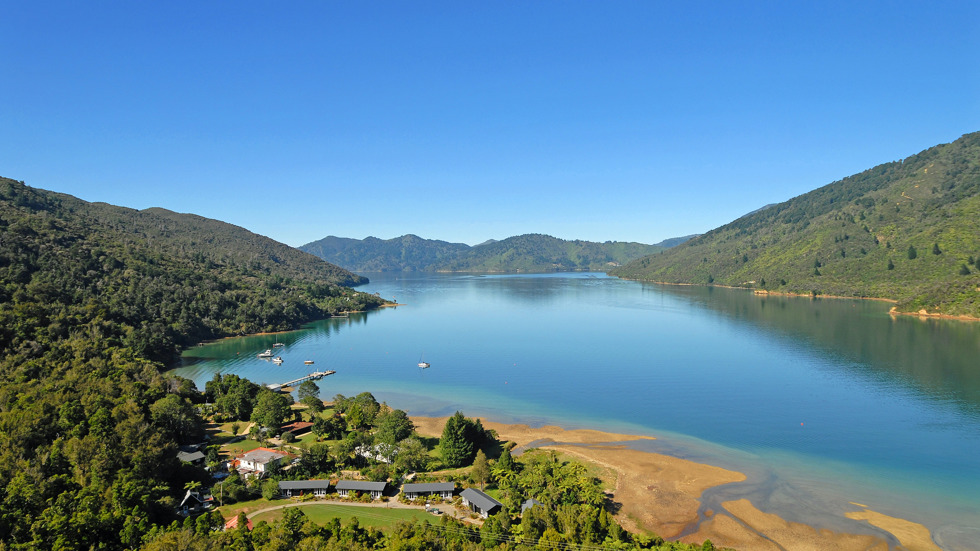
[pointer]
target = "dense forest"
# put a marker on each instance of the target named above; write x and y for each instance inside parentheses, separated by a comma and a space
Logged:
(905, 230)
(93, 300)
(522, 253)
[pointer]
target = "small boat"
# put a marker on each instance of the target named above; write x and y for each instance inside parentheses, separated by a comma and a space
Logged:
(277, 360)
(266, 354)
(277, 345)
(308, 362)
(423, 365)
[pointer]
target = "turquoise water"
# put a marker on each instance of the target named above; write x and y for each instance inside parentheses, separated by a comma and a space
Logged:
(820, 402)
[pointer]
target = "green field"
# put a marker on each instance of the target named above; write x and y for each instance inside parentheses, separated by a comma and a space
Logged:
(375, 517)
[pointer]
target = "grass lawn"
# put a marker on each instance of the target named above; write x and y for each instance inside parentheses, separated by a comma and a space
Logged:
(375, 517)
(240, 447)
(232, 510)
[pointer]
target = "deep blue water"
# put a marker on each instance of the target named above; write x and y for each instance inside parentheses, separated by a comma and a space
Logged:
(820, 402)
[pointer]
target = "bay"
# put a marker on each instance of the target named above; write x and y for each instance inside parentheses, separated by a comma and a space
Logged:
(820, 402)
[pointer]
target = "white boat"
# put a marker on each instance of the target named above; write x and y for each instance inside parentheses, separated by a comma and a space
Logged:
(308, 362)
(423, 365)
(266, 354)
(277, 345)
(277, 360)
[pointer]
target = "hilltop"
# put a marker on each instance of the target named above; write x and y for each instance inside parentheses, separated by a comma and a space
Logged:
(905, 230)
(522, 253)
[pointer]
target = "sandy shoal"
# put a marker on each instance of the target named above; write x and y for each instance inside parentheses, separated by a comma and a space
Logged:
(661, 494)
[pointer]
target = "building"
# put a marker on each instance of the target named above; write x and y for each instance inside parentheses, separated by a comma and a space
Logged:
(193, 457)
(194, 503)
(291, 488)
(444, 490)
(480, 502)
(530, 503)
(233, 524)
(296, 427)
(346, 487)
(259, 461)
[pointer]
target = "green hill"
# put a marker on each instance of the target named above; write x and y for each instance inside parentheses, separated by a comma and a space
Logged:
(907, 230)
(523, 253)
(92, 298)
(407, 253)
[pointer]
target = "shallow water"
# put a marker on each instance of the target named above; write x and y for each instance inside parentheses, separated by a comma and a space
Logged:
(820, 402)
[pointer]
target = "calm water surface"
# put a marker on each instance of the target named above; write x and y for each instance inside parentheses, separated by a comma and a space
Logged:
(819, 402)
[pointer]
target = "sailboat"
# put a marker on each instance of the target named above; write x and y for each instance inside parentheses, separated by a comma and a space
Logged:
(423, 365)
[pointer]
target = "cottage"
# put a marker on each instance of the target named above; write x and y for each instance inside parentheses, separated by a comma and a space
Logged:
(442, 489)
(259, 461)
(290, 488)
(192, 457)
(480, 502)
(296, 427)
(193, 503)
(346, 487)
(233, 524)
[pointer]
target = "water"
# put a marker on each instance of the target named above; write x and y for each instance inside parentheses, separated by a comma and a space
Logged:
(820, 402)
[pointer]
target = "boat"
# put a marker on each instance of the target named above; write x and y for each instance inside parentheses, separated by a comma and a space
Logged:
(266, 354)
(308, 362)
(422, 364)
(277, 360)
(277, 345)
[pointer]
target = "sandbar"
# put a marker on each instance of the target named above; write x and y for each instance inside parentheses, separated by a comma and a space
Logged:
(661, 494)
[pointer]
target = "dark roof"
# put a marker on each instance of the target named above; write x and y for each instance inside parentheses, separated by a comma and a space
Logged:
(480, 499)
(304, 484)
(361, 485)
(430, 487)
(190, 457)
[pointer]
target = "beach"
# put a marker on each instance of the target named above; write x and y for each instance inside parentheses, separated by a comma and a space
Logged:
(661, 494)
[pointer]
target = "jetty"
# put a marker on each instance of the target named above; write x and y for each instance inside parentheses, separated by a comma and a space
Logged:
(315, 376)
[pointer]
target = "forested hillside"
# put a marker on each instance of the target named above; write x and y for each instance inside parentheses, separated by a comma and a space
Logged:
(523, 253)
(906, 230)
(408, 253)
(92, 298)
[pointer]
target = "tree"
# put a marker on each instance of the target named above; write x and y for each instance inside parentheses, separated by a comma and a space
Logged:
(964, 270)
(935, 249)
(236, 427)
(393, 426)
(481, 469)
(317, 460)
(412, 455)
(308, 389)
(177, 416)
(891, 265)
(455, 446)
(271, 410)
(912, 253)
(270, 489)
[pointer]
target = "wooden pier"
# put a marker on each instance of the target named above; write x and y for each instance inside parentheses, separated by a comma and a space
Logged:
(315, 376)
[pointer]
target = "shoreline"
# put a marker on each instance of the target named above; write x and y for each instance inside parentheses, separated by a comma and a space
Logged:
(662, 493)
(923, 314)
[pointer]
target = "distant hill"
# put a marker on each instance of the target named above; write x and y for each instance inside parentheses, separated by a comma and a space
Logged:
(186, 277)
(523, 253)
(405, 253)
(907, 230)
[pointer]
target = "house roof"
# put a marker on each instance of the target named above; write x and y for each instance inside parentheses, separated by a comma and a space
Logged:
(190, 457)
(190, 497)
(296, 426)
(480, 499)
(529, 503)
(361, 485)
(233, 523)
(262, 455)
(304, 484)
(430, 487)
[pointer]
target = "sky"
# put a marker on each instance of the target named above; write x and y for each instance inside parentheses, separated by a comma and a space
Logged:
(469, 121)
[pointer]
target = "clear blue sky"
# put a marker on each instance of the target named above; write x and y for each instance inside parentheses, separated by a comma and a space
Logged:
(466, 121)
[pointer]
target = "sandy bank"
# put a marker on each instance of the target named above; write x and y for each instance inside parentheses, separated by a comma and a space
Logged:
(661, 493)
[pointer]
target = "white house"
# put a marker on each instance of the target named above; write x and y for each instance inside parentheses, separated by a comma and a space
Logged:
(259, 461)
